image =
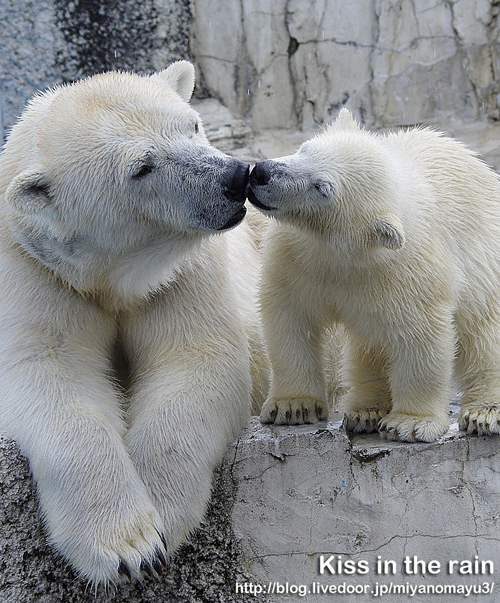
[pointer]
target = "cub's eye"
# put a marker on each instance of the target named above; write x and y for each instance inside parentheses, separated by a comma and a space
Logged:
(142, 171)
(326, 189)
(196, 127)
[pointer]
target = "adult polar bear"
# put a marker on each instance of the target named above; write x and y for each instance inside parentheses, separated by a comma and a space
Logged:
(398, 238)
(110, 192)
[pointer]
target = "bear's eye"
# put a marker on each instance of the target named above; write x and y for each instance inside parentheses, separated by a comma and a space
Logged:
(324, 188)
(196, 127)
(142, 171)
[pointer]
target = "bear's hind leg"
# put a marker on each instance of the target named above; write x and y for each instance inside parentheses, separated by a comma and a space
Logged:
(369, 396)
(478, 374)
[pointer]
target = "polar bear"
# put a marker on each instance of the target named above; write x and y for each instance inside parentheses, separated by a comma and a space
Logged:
(396, 237)
(111, 200)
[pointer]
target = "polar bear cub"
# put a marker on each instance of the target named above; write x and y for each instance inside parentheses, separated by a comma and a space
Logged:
(111, 197)
(397, 237)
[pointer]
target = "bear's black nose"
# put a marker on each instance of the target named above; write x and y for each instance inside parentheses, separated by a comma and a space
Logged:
(237, 175)
(261, 173)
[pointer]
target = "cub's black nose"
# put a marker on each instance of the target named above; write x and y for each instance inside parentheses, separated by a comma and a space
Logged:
(261, 173)
(237, 176)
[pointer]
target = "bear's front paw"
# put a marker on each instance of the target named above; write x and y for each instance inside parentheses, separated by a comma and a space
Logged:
(293, 411)
(410, 428)
(480, 418)
(115, 549)
(364, 420)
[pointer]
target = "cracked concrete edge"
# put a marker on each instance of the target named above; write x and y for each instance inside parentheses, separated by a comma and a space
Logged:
(314, 491)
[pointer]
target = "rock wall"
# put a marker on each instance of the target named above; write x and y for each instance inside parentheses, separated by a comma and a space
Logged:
(280, 64)
(45, 42)
(292, 63)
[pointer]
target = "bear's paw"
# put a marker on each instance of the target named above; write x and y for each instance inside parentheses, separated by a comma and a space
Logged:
(116, 552)
(364, 420)
(480, 418)
(401, 427)
(293, 411)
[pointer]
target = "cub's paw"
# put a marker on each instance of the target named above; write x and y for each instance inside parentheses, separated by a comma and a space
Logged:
(409, 428)
(293, 411)
(364, 420)
(480, 418)
(115, 549)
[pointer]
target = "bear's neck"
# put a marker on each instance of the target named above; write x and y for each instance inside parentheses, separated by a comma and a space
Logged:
(115, 281)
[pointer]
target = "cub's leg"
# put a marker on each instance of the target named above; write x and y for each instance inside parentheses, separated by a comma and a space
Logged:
(297, 390)
(369, 396)
(189, 399)
(293, 331)
(478, 373)
(58, 403)
(420, 374)
(334, 352)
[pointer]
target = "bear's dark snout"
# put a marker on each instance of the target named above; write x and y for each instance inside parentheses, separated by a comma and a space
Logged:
(261, 173)
(236, 175)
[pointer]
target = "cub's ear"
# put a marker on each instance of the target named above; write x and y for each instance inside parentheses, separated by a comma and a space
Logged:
(389, 232)
(180, 77)
(29, 192)
(345, 121)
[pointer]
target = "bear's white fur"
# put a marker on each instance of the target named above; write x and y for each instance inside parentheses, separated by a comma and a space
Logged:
(397, 237)
(110, 198)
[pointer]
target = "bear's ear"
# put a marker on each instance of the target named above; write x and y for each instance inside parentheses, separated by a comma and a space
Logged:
(28, 193)
(345, 121)
(180, 77)
(389, 232)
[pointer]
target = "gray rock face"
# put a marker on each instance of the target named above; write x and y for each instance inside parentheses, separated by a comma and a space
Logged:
(291, 63)
(309, 498)
(280, 64)
(45, 42)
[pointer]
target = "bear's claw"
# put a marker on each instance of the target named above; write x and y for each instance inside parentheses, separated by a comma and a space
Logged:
(364, 420)
(160, 555)
(146, 568)
(480, 418)
(293, 411)
(409, 428)
(124, 570)
(153, 567)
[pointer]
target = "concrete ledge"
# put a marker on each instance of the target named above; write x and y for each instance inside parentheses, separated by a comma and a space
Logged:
(310, 497)
(288, 501)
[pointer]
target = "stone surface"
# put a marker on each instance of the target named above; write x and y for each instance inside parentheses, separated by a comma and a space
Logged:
(308, 491)
(292, 63)
(282, 64)
(45, 42)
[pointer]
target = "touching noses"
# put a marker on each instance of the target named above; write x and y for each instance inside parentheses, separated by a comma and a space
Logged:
(237, 177)
(261, 173)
